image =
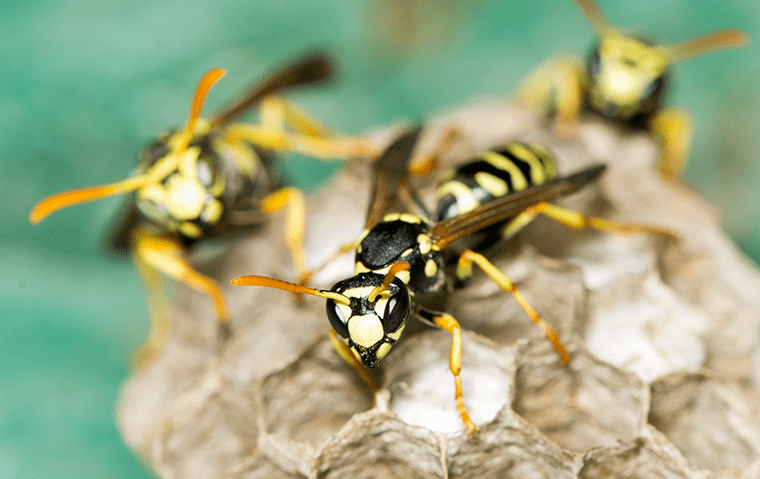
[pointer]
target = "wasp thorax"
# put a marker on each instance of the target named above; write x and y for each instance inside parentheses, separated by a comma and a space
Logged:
(369, 328)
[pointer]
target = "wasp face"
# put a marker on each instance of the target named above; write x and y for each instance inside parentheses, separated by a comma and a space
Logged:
(369, 329)
(187, 197)
(626, 76)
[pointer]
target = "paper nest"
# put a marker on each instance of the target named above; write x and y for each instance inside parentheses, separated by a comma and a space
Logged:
(664, 379)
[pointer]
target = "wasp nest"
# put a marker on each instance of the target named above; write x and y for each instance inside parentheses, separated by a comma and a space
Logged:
(663, 383)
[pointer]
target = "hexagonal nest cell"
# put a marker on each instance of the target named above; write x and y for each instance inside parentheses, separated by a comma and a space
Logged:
(663, 383)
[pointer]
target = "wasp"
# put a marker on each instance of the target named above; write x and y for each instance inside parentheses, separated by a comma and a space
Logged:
(624, 79)
(401, 257)
(210, 178)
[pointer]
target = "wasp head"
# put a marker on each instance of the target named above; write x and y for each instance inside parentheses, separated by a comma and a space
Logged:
(373, 322)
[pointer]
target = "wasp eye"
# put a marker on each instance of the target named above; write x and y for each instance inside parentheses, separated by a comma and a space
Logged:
(654, 86)
(594, 63)
(396, 310)
(337, 318)
(205, 171)
(152, 210)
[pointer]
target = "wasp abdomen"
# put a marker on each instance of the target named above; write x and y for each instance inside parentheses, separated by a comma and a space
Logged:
(493, 174)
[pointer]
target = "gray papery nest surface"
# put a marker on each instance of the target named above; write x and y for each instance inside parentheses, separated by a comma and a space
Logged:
(664, 379)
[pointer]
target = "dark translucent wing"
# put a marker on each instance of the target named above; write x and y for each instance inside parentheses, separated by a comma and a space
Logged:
(119, 236)
(314, 68)
(505, 207)
(390, 173)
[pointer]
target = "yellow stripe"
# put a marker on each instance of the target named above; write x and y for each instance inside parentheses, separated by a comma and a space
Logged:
(537, 170)
(492, 184)
(461, 192)
(519, 182)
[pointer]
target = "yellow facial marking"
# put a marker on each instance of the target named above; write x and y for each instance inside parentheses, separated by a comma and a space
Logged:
(365, 330)
(190, 230)
(382, 351)
(397, 334)
(493, 185)
(430, 268)
(184, 198)
(425, 244)
(212, 213)
(519, 182)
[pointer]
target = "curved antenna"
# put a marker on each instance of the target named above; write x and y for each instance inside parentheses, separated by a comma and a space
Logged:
(729, 38)
(393, 271)
(82, 195)
(254, 280)
(204, 85)
(595, 17)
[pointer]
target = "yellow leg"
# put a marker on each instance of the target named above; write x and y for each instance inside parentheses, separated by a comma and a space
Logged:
(345, 353)
(556, 84)
(675, 129)
(577, 221)
(447, 322)
(295, 219)
(158, 309)
(165, 255)
(428, 163)
(464, 270)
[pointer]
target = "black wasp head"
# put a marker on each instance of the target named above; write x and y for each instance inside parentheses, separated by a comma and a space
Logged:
(369, 327)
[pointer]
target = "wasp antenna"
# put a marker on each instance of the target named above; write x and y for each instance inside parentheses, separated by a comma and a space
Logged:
(389, 277)
(204, 85)
(254, 280)
(595, 17)
(729, 38)
(82, 195)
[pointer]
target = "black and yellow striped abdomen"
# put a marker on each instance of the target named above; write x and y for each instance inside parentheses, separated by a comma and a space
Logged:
(493, 174)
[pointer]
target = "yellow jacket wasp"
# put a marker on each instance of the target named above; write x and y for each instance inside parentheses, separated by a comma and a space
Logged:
(624, 79)
(400, 256)
(210, 178)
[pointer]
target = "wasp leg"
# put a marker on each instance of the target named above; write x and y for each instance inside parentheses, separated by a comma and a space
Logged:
(164, 255)
(426, 164)
(464, 270)
(675, 129)
(555, 86)
(158, 310)
(295, 219)
(447, 322)
(345, 353)
(578, 221)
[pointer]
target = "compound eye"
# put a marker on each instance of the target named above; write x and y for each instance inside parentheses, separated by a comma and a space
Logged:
(153, 211)
(655, 86)
(594, 63)
(396, 309)
(205, 171)
(336, 314)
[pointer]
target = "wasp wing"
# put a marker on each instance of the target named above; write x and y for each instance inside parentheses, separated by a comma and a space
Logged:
(313, 68)
(505, 207)
(390, 175)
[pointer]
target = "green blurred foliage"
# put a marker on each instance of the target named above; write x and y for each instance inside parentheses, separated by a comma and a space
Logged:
(84, 84)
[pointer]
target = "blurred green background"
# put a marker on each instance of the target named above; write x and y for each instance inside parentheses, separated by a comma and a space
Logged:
(84, 84)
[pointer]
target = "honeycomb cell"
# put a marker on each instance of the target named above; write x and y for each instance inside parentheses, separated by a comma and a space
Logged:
(713, 422)
(582, 405)
(509, 447)
(210, 425)
(378, 445)
(314, 396)
(422, 386)
(648, 457)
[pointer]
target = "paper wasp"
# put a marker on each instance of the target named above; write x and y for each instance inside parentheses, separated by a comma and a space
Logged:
(624, 79)
(211, 178)
(401, 257)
